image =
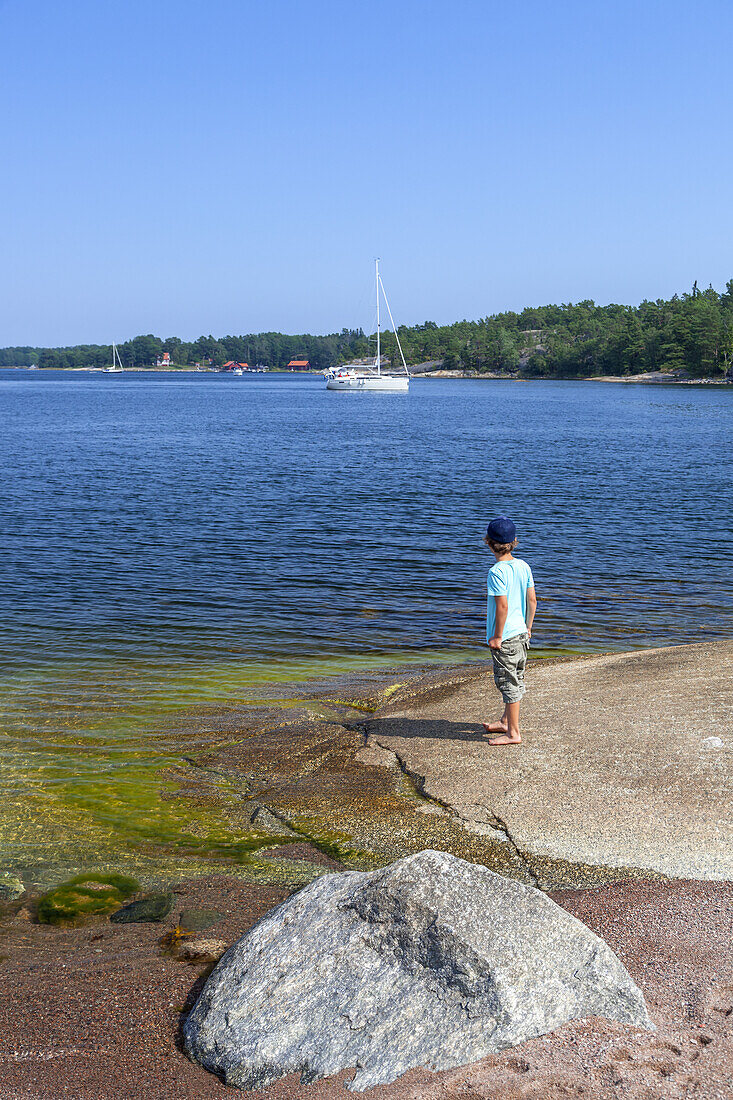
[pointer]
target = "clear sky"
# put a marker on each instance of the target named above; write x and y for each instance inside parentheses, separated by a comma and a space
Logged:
(185, 168)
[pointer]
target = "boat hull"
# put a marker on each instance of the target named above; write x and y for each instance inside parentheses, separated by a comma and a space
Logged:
(369, 384)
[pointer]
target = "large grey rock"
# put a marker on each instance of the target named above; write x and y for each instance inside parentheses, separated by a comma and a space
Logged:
(431, 961)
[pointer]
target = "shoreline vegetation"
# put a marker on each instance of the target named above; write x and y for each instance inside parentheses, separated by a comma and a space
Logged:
(677, 378)
(688, 337)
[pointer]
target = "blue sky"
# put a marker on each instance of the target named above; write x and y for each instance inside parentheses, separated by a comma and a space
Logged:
(185, 168)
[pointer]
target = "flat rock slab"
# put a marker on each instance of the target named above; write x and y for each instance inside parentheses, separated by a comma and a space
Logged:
(626, 760)
(431, 961)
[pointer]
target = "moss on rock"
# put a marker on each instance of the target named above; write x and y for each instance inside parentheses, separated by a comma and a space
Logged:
(85, 897)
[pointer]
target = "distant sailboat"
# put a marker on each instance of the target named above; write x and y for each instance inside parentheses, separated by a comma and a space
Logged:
(116, 362)
(370, 379)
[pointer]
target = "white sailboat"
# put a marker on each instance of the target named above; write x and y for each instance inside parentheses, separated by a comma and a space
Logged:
(371, 378)
(116, 362)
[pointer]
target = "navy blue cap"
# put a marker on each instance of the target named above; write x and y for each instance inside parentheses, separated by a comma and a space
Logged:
(501, 529)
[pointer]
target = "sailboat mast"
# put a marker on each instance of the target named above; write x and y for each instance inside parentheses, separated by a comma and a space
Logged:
(394, 329)
(379, 357)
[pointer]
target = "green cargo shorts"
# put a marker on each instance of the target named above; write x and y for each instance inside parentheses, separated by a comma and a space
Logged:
(509, 664)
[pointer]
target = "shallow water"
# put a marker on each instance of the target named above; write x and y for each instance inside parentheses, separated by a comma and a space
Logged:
(173, 543)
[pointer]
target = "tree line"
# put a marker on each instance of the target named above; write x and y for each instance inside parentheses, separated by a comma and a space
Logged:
(272, 349)
(692, 332)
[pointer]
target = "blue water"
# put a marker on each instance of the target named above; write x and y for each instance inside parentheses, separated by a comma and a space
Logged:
(268, 518)
(172, 540)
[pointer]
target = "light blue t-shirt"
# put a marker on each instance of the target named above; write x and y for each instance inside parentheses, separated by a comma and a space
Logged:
(510, 579)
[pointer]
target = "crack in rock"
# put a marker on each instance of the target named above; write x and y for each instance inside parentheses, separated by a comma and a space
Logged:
(230, 776)
(499, 823)
(264, 818)
(417, 782)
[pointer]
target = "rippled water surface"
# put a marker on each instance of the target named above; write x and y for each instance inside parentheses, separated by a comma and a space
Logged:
(173, 542)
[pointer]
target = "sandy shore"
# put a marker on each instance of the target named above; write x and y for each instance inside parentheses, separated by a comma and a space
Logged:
(95, 1013)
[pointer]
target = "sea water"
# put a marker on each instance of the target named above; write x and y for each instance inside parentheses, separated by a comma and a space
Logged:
(172, 542)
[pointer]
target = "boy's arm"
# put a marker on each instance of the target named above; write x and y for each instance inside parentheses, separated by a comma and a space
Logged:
(502, 610)
(531, 608)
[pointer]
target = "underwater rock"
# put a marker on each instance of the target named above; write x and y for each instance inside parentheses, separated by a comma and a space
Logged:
(431, 961)
(11, 887)
(196, 920)
(153, 907)
(85, 897)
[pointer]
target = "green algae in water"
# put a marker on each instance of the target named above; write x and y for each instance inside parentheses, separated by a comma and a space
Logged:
(86, 748)
(337, 846)
(85, 897)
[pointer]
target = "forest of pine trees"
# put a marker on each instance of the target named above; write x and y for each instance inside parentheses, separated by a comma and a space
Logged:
(692, 332)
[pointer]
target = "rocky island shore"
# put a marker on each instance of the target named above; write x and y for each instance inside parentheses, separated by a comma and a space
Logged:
(616, 804)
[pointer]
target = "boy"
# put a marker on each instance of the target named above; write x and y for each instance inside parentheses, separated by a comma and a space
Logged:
(510, 611)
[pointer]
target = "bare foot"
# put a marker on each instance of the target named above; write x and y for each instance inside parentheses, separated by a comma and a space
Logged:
(505, 739)
(495, 727)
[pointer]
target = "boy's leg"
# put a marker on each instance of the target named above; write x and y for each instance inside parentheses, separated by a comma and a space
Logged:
(512, 735)
(500, 726)
(509, 666)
